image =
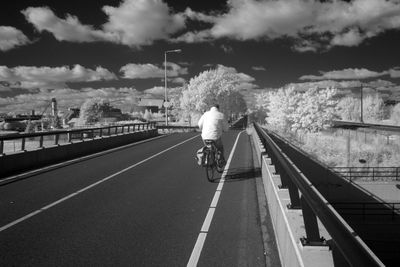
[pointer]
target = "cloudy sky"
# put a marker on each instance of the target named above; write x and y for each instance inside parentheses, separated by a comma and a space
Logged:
(73, 50)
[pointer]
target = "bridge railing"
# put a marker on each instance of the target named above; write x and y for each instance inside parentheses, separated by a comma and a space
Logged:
(304, 195)
(369, 173)
(30, 141)
(176, 128)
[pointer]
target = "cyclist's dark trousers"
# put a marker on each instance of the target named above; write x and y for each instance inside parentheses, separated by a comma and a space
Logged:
(219, 146)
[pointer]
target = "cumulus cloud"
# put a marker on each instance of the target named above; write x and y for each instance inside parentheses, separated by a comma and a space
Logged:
(395, 72)
(141, 22)
(227, 49)
(11, 37)
(313, 24)
(380, 84)
(246, 81)
(194, 37)
(259, 68)
(242, 76)
(119, 97)
(30, 77)
(146, 71)
(179, 80)
(133, 23)
(345, 74)
(69, 29)
(341, 85)
(157, 90)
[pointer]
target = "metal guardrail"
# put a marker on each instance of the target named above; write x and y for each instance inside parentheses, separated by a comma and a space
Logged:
(369, 173)
(57, 137)
(176, 127)
(313, 204)
(354, 125)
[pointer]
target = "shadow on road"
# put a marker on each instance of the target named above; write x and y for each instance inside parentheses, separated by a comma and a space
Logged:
(239, 174)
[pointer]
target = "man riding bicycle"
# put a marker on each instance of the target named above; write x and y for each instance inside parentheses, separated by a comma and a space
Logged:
(212, 123)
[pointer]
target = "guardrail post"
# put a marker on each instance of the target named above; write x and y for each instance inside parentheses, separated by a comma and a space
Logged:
(294, 196)
(69, 136)
(311, 226)
(56, 137)
(283, 175)
(373, 174)
(23, 144)
(109, 131)
(101, 132)
(1, 147)
(41, 141)
(116, 130)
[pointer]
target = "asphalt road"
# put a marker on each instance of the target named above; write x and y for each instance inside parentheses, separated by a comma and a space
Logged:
(140, 206)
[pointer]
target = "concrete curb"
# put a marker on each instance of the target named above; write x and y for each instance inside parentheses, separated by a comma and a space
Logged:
(288, 225)
(272, 258)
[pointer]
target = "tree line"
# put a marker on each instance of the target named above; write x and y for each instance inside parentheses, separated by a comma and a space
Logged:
(313, 110)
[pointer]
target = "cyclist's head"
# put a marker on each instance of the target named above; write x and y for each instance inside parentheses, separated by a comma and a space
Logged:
(215, 105)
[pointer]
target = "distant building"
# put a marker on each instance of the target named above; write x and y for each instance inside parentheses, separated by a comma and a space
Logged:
(110, 115)
(72, 113)
(152, 104)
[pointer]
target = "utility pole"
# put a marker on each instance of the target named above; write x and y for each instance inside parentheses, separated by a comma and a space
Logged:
(166, 103)
(361, 117)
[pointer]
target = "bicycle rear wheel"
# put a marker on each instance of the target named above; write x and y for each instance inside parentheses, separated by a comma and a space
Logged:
(210, 166)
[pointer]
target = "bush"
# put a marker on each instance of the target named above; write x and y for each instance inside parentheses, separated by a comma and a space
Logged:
(331, 148)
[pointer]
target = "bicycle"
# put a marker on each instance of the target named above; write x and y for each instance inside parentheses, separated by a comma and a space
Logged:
(212, 159)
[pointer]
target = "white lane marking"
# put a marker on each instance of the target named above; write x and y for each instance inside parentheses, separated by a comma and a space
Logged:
(214, 202)
(88, 187)
(198, 247)
(207, 221)
(75, 160)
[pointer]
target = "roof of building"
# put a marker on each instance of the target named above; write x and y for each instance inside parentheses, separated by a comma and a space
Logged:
(151, 102)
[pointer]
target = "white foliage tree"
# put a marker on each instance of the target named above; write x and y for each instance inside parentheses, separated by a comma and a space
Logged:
(213, 86)
(90, 111)
(348, 109)
(395, 114)
(373, 108)
(311, 111)
(147, 115)
(282, 104)
(260, 109)
(315, 110)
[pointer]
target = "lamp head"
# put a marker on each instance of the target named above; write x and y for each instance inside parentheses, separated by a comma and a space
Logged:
(174, 51)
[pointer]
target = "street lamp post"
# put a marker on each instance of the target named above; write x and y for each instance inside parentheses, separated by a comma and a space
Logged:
(166, 104)
(362, 106)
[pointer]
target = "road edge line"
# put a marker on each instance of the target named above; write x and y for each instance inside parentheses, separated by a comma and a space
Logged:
(201, 239)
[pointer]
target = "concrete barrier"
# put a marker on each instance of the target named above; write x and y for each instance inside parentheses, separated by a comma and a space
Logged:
(288, 224)
(28, 160)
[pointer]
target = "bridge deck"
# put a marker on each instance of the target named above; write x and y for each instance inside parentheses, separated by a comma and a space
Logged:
(143, 205)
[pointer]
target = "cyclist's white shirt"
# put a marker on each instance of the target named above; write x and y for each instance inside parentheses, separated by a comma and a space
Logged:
(212, 124)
